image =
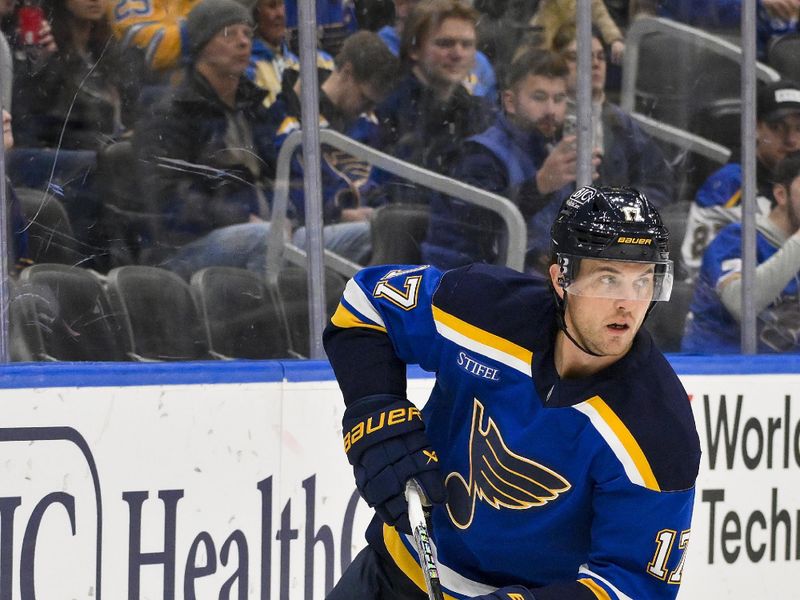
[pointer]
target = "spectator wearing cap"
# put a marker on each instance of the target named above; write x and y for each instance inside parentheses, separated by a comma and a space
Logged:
(718, 201)
(206, 149)
(715, 314)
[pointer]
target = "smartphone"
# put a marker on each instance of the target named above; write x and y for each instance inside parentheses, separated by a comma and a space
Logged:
(570, 126)
(29, 22)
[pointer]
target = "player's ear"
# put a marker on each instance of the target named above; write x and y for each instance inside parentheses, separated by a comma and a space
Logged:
(554, 272)
(780, 194)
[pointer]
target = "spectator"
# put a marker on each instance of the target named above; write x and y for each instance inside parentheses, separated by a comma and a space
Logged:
(79, 90)
(364, 73)
(502, 27)
(552, 15)
(430, 113)
(713, 325)
(630, 156)
(271, 58)
(718, 201)
(518, 157)
(207, 147)
(481, 80)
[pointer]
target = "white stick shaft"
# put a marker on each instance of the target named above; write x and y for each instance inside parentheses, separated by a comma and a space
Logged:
(419, 527)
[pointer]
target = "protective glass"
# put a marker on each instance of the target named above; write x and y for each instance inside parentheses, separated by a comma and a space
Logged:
(622, 280)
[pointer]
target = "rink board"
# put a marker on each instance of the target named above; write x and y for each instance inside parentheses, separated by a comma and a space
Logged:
(228, 480)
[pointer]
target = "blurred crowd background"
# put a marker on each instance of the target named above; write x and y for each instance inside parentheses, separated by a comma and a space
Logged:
(143, 145)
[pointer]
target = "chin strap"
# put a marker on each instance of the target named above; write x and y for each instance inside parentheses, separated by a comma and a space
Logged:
(561, 311)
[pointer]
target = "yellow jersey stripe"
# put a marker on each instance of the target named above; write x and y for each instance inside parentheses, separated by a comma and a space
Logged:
(734, 200)
(287, 125)
(599, 592)
(482, 341)
(629, 443)
(345, 319)
(404, 559)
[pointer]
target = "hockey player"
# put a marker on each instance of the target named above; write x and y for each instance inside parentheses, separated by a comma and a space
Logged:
(557, 447)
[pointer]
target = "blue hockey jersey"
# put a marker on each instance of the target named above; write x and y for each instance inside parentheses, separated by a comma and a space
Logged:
(576, 488)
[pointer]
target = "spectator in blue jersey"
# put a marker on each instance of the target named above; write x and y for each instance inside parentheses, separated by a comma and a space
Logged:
(713, 324)
(481, 80)
(206, 150)
(364, 74)
(630, 156)
(271, 60)
(519, 157)
(718, 201)
(430, 113)
(557, 447)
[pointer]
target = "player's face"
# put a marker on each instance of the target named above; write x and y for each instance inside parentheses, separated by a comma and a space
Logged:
(271, 20)
(600, 322)
(447, 54)
(776, 139)
(537, 102)
(598, 66)
(87, 10)
(228, 52)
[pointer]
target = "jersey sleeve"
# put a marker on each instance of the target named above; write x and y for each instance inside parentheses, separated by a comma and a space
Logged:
(384, 321)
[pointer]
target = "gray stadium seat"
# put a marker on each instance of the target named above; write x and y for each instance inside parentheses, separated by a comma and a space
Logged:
(159, 312)
(67, 316)
(240, 314)
(398, 230)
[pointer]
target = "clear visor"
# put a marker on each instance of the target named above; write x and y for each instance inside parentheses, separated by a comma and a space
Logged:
(622, 280)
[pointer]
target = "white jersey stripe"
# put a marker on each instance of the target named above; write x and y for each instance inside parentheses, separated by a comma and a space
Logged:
(356, 298)
(613, 442)
(586, 571)
(493, 353)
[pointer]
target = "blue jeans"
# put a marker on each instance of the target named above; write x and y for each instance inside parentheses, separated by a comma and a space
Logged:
(351, 240)
(243, 246)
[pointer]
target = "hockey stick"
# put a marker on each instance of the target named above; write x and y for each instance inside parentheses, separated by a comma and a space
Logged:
(418, 517)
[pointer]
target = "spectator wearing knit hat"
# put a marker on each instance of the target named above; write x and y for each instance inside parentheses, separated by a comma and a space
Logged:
(206, 150)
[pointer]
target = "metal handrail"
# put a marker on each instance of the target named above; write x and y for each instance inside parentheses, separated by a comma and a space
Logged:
(685, 140)
(279, 247)
(645, 26)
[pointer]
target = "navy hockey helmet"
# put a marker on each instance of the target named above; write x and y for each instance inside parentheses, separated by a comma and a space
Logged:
(610, 223)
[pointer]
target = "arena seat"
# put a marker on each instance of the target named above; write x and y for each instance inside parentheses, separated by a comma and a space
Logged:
(783, 55)
(67, 315)
(397, 231)
(292, 289)
(159, 312)
(240, 314)
(50, 235)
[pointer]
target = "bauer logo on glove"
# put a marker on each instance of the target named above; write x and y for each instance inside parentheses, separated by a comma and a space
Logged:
(375, 423)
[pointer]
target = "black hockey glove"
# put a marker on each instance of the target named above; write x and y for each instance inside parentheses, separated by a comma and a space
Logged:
(512, 592)
(385, 441)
